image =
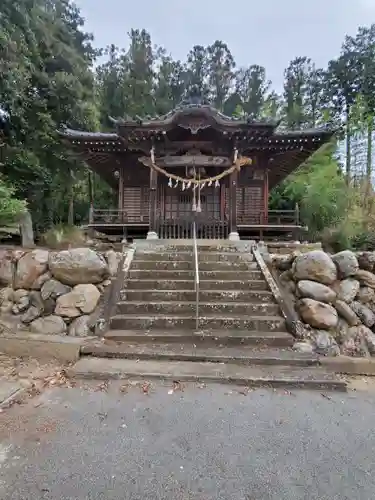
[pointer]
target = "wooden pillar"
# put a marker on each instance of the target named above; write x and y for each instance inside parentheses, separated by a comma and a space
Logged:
(233, 181)
(152, 233)
(121, 194)
(265, 197)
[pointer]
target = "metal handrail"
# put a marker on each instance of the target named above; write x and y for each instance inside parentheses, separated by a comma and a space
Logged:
(196, 276)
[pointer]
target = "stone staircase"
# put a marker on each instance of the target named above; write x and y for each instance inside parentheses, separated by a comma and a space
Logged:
(241, 335)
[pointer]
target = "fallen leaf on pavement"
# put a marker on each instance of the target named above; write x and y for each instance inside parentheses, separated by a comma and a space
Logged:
(102, 387)
(146, 386)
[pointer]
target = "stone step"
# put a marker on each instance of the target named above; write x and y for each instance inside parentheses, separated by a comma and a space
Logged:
(182, 256)
(186, 265)
(165, 284)
(216, 338)
(185, 371)
(189, 275)
(247, 296)
(203, 246)
(242, 355)
(169, 307)
(188, 322)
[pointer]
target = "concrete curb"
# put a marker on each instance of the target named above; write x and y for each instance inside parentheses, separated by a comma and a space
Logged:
(349, 366)
(61, 348)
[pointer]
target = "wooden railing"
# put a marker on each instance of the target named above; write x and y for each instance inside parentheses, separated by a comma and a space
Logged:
(113, 216)
(271, 217)
(196, 276)
(181, 229)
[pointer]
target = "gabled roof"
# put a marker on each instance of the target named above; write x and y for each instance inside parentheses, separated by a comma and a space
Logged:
(208, 115)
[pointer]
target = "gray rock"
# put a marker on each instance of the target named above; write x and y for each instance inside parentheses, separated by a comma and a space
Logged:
(21, 305)
(318, 314)
(29, 267)
(54, 289)
(366, 260)
(19, 294)
(77, 266)
(347, 313)
(341, 331)
(39, 282)
(36, 300)
(316, 291)
(49, 306)
(356, 344)
(6, 295)
(366, 295)
(80, 327)
(346, 262)
(347, 289)
(282, 262)
(366, 278)
(31, 314)
(325, 344)
(49, 325)
(365, 314)
(304, 347)
(6, 267)
(315, 266)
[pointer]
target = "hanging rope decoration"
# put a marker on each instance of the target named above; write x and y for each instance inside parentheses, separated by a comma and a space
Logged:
(200, 183)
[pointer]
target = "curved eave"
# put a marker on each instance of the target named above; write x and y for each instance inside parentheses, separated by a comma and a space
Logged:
(79, 135)
(179, 114)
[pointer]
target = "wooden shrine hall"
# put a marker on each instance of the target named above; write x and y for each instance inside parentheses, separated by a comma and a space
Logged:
(197, 164)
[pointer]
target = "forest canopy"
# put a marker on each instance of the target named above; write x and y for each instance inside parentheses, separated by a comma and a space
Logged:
(48, 78)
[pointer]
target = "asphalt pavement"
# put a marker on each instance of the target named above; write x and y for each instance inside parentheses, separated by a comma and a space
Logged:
(194, 442)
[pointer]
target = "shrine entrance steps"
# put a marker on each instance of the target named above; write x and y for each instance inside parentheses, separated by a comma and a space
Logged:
(241, 337)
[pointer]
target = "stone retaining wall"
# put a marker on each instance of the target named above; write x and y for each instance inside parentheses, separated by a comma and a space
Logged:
(46, 292)
(334, 295)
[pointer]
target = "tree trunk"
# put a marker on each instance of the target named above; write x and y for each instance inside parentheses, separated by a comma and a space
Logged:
(370, 129)
(71, 200)
(348, 146)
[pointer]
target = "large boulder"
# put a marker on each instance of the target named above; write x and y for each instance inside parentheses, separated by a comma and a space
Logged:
(346, 262)
(315, 266)
(347, 313)
(347, 289)
(365, 314)
(366, 260)
(6, 267)
(82, 299)
(78, 265)
(49, 325)
(366, 278)
(316, 291)
(29, 267)
(318, 314)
